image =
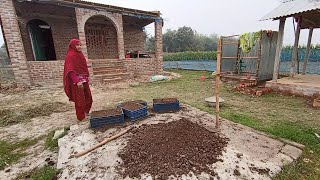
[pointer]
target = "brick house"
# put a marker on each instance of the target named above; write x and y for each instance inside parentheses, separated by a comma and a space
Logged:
(37, 33)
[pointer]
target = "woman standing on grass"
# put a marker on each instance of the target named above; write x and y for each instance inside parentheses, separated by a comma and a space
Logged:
(76, 79)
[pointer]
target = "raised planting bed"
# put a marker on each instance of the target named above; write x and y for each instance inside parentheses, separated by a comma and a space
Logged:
(104, 117)
(166, 105)
(134, 111)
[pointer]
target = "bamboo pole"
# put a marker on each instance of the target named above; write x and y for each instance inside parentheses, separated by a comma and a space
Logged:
(278, 50)
(259, 57)
(294, 61)
(306, 56)
(238, 57)
(218, 74)
(102, 143)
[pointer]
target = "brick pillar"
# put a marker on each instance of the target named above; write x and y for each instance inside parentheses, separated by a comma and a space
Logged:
(14, 42)
(120, 37)
(158, 45)
(81, 33)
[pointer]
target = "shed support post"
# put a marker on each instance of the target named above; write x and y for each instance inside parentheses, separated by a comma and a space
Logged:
(278, 49)
(306, 57)
(295, 59)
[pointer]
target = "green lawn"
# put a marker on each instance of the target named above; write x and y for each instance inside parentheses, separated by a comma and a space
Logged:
(283, 116)
(11, 152)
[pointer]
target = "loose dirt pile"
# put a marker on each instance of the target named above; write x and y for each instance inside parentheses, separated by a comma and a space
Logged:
(106, 113)
(165, 101)
(132, 106)
(174, 148)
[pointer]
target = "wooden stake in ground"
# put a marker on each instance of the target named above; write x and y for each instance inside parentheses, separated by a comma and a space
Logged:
(219, 54)
(102, 143)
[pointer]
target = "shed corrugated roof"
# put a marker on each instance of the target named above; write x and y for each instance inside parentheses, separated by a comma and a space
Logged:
(292, 7)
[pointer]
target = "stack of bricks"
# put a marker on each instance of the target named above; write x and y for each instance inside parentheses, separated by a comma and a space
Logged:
(316, 101)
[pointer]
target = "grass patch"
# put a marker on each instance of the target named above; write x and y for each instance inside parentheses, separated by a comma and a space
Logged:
(52, 144)
(12, 152)
(10, 117)
(44, 173)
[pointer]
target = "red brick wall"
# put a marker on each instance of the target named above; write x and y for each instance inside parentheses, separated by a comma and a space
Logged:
(63, 30)
(101, 41)
(141, 67)
(14, 42)
(61, 19)
(46, 72)
(82, 15)
(134, 39)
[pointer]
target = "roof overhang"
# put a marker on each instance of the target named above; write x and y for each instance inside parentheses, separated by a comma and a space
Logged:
(101, 7)
(293, 8)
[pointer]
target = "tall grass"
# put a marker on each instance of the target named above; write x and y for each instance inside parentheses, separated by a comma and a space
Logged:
(190, 55)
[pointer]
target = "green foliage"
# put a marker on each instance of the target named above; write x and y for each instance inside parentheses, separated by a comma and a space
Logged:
(184, 39)
(190, 55)
(4, 58)
(11, 152)
(149, 45)
(43, 173)
(52, 144)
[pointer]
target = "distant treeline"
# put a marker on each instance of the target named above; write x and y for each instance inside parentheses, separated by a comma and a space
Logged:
(184, 39)
(190, 55)
(286, 55)
(186, 44)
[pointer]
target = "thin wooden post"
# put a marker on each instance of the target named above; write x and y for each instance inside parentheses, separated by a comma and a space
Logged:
(219, 54)
(278, 49)
(238, 57)
(294, 61)
(259, 58)
(306, 56)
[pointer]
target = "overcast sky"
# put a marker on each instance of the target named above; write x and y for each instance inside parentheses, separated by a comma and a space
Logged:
(225, 17)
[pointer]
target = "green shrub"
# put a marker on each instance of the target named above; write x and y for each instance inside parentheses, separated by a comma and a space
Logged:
(190, 55)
